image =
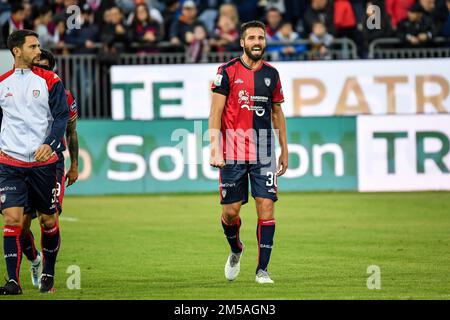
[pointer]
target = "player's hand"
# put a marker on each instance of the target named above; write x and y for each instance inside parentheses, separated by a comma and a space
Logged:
(216, 161)
(71, 176)
(43, 153)
(282, 164)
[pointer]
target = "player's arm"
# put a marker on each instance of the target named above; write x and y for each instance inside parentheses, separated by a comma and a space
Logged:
(214, 124)
(72, 145)
(279, 124)
(60, 113)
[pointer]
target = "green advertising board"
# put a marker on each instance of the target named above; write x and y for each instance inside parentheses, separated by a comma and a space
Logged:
(163, 156)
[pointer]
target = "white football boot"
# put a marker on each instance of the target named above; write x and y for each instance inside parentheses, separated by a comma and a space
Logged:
(233, 265)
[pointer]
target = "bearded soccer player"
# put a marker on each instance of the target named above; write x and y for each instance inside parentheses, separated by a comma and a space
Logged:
(247, 97)
(34, 116)
(47, 61)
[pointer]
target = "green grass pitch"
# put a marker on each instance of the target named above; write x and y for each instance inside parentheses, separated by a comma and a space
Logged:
(173, 247)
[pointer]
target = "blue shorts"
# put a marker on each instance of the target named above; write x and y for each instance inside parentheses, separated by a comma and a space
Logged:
(60, 187)
(233, 181)
(35, 187)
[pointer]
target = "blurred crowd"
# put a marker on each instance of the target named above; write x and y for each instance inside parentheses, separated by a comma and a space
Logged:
(110, 27)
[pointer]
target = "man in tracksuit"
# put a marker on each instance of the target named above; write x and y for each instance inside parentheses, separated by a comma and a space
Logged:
(34, 116)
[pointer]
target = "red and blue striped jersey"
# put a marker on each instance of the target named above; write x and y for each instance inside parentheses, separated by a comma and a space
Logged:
(246, 119)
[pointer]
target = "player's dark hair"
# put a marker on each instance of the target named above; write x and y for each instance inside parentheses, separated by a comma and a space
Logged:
(17, 38)
(48, 55)
(251, 24)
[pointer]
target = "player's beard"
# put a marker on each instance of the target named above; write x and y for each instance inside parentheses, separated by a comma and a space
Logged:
(248, 52)
(32, 61)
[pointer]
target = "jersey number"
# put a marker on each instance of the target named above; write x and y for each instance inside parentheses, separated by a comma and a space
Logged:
(272, 179)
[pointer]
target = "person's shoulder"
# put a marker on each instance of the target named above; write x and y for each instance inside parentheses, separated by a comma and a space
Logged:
(4, 76)
(268, 65)
(50, 77)
(229, 63)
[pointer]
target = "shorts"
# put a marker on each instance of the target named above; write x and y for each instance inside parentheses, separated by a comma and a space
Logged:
(233, 181)
(60, 187)
(35, 187)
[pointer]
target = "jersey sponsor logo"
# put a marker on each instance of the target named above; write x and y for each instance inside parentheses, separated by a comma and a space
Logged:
(267, 81)
(244, 99)
(73, 106)
(238, 81)
(218, 80)
(228, 185)
(36, 93)
(8, 188)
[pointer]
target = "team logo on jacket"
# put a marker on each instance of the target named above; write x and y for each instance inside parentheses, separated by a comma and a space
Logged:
(267, 81)
(36, 93)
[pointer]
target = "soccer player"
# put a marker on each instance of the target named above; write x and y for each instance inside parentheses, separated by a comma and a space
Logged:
(47, 61)
(246, 100)
(34, 117)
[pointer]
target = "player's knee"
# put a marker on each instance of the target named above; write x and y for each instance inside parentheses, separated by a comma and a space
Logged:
(47, 221)
(230, 213)
(13, 218)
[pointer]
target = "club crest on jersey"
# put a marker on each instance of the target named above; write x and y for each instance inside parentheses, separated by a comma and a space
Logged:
(267, 81)
(36, 93)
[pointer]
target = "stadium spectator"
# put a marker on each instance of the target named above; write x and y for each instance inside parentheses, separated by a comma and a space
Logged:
(63, 14)
(319, 10)
(294, 11)
(27, 10)
(345, 23)
(273, 21)
(226, 34)
(15, 22)
(208, 13)
(320, 42)
(144, 29)
(100, 7)
(114, 31)
(181, 31)
(435, 13)
(42, 27)
(416, 29)
(288, 50)
(199, 47)
(57, 6)
(372, 32)
(230, 10)
(59, 35)
(169, 15)
(445, 31)
(398, 10)
(84, 39)
(155, 14)
(249, 9)
(5, 12)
